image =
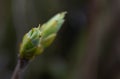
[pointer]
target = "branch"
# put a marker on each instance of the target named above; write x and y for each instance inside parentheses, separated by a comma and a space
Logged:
(21, 64)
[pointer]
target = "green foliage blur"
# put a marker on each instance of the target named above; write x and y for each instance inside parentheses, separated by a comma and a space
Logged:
(87, 45)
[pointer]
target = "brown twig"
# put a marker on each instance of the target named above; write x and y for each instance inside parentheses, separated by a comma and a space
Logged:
(21, 64)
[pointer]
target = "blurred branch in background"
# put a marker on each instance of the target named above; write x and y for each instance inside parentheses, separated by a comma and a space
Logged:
(7, 40)
(100, 59)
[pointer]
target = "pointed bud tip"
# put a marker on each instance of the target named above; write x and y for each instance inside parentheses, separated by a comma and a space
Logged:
(62, 14)
(39, 26)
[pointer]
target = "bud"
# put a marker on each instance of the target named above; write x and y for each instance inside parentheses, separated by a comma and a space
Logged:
(50, 29)
(37, 39)
(30, 44)
(53, 25)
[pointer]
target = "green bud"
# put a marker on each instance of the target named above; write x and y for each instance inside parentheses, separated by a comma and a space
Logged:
(50, 29)
(37, 39)
(31, 44)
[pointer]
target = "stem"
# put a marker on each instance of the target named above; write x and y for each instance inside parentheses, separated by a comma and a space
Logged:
(21, 64)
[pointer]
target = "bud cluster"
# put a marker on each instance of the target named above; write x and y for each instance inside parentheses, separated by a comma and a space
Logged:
(37, 39)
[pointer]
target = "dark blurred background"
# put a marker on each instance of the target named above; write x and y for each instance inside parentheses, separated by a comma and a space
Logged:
(87, 46)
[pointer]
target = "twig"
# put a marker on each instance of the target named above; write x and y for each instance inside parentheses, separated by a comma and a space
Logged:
(21, 64)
